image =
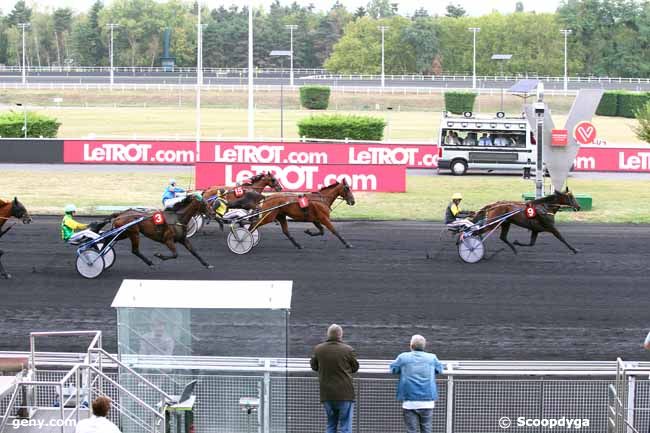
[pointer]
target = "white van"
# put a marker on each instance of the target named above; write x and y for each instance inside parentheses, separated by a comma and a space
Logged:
(496, 143)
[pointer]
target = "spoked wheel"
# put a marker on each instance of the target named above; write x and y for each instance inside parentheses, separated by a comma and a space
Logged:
(90, 264)
(194, 225)
(240, 240)
(255, 234)
(109, 256)
(471, 249)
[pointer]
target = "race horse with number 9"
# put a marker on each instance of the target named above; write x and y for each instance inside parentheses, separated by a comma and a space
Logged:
(8, 210)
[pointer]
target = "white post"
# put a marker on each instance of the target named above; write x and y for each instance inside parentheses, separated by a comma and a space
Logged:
(199, 80)
(24, 27)
(25, 119)
(383, 76)
(474, 30)
(251, 106)
(291, 28)
(566, 33)
(110, 52)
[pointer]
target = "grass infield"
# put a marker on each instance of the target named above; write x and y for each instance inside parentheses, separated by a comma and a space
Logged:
(46, 191)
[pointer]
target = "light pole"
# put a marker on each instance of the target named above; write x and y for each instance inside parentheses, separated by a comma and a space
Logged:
(566, 33)
(112, 26)
(287, 54)
(24, 27)
(291, 28)
(199, 79)
(383, 76)
(25, 118)
(474, 30)
(251, 107)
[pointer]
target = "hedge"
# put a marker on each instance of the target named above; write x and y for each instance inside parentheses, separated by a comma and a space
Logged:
(338, 127)
(643, 116)
(38, 125)
(315, 97)
(622, 104)
(459, 102)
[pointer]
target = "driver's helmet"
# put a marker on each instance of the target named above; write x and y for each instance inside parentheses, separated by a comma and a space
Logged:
(457, 196)
(70, 208)
(172, 181)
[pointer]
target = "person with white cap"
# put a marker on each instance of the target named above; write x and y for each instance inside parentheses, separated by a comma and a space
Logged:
(173, 194)
(454, 216)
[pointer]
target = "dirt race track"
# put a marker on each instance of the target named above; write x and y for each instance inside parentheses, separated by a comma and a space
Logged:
(545, 303)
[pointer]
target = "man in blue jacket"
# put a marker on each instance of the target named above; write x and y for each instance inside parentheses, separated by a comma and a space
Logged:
(416, 390)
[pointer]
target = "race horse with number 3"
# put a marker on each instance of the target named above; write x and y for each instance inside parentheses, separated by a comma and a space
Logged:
(168, 227)
(537, 216)
(8, 210)
(314, 207)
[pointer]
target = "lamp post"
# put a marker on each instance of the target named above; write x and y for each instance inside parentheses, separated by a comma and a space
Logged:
(291, 28)
(501, 59)
(251, 106)
(24, 26)
(566, 33)
(285, 54)
(112, 26)
(474, 30)
(25, 118)
(199, 79)
(383, 75)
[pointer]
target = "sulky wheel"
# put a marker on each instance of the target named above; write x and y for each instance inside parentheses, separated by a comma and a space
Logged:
(90, 264)
(194, 225)
(109, 256)
(471, 249)
(256, 235)
(240, 240)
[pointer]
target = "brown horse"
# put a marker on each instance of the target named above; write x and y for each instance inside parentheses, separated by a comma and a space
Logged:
(8, 210)
(277, 207)
(173, 230)
(257, 184)
(542, 221)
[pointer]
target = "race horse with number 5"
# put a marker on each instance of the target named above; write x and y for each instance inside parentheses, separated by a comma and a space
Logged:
(8, 210)
(537, 216)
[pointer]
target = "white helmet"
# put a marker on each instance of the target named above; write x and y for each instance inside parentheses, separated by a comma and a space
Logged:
(70, 208)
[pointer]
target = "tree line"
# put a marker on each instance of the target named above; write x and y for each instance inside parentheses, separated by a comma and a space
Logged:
(609, 37)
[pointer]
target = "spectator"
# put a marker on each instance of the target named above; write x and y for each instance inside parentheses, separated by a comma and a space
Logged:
(470, 140)
(335, 363)
(417, 385)
(501, 141)
(646, 343)
(98, 423)
(485, 140)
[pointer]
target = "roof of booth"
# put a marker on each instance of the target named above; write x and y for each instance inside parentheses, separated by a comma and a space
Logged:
(204, 294)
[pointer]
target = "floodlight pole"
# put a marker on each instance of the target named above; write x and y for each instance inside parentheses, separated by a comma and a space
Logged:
(251, 107)
(539, 166)
(566, 33)
(199, 80)
(291, 28)
(383, 75)
(474, 30)
(24, 27)
(111, 50)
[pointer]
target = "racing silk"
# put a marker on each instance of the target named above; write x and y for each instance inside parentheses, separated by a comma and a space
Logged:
(452, 213)
(69, 226)
(170, 192)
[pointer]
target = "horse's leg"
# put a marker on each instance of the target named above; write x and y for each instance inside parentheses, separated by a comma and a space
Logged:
(134, 237)
(2, 232)
(169, 243)
(3, 273)
(327, 223)
(504, 236)
(320, 231)
(533, 239)
(285, 229)
(188, 247)
(557, 234)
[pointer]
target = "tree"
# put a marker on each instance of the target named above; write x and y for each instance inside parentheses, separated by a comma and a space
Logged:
(420, 13)
(519, 7)
(643, 130)
(360, 12)
(380, 9)
(62, 23)
(89, 46)
(455, 11)
(423, 39)
(20, 14)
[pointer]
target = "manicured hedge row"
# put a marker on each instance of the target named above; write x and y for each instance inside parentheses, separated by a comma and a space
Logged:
(339, 127)
(459, 102)
(622, 104)
(38, 125)
(315, 97)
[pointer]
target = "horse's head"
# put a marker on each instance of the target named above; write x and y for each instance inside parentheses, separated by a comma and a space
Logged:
(274, 182)
(567, 198)
(19, 211)
(346, 193)
(267, 179)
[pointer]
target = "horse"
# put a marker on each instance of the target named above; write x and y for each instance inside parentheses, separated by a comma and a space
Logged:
(277, 207)
(542, 221)
(172, 230)
(8, 210)
(256, 184)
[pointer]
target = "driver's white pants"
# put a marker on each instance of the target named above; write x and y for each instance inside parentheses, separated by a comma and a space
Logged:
(172, 201)
(460, 223)
(84, 233)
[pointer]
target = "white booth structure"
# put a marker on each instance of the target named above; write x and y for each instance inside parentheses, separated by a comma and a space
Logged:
(166, 327)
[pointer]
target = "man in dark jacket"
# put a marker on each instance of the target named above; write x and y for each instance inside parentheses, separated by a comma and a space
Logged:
(335, 363)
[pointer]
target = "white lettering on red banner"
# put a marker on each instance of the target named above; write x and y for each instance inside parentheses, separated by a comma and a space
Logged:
(378, 178)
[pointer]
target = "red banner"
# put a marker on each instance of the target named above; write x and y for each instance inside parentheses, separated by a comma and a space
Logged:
(129, 152)
(613, 159)
(376, 178)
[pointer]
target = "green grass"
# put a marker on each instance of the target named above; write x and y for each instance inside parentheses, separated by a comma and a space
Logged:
(43, 191)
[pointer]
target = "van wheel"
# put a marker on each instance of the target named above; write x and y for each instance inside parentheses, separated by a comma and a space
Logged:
(458, 167)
